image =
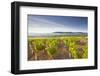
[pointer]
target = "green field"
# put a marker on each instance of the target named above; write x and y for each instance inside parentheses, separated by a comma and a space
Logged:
(68, 47)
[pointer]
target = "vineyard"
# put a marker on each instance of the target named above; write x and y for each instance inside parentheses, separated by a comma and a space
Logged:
(57, 48)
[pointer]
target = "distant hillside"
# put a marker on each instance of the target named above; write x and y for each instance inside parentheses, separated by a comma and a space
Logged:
(58, 34)
(71, 33)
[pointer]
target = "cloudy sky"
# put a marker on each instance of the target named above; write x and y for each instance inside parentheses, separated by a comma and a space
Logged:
(49, 24)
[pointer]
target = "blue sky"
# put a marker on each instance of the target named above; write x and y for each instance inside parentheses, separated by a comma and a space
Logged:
(49, 24)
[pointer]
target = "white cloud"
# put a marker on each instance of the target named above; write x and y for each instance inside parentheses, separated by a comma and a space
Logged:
(38, 22)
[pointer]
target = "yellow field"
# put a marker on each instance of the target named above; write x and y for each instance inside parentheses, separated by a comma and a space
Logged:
(69, 47)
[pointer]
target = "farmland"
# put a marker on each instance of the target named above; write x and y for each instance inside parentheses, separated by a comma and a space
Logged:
(69, 47)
